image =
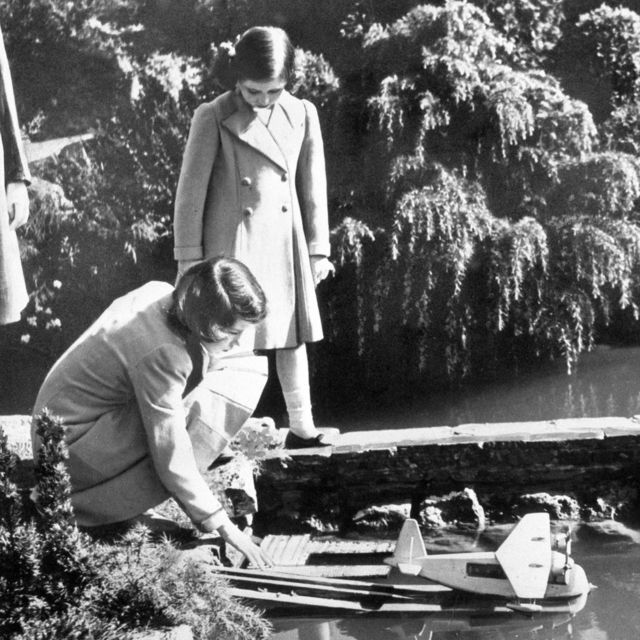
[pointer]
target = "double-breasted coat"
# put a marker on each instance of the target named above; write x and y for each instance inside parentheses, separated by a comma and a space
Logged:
(13, 168)
(258, 193)
(144, 414)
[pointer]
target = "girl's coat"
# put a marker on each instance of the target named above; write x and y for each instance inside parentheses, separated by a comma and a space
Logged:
(134, 432)
(258, 193)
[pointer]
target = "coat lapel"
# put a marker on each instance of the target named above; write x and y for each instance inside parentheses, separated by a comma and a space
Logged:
(245, 125)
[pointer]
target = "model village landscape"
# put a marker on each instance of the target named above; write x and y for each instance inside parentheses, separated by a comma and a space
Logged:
(483, 184)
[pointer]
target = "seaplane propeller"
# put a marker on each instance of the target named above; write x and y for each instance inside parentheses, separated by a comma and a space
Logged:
(567, 550)
(562, 544)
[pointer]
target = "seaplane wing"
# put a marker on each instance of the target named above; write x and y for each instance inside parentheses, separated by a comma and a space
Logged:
(525, 556)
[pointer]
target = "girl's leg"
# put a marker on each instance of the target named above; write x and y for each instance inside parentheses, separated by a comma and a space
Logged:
(292, 366)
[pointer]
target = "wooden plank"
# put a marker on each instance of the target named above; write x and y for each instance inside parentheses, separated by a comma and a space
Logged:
(345, 590)
(340, 571)
(335, 546)
(298, 550)
(348, 605)
(283, 598)
(419, 587)
(287, 550)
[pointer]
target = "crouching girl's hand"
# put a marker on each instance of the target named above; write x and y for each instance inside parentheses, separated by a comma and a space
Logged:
(241, 541)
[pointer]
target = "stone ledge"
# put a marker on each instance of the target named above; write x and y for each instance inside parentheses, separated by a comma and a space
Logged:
(473, 433)
(594, 461)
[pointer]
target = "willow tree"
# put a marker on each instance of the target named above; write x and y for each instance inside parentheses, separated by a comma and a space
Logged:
(508, 232)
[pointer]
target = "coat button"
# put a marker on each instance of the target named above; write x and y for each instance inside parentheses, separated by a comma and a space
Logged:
(248, 211)
(285, 208)
(284, 177)
(245, 182)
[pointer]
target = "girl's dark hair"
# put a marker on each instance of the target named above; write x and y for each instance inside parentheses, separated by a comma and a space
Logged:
(217, 293)
(263, 53)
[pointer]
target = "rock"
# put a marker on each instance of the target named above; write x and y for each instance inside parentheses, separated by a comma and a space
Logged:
(235, 486)
(320, 527)
(460, 508)
(387, 517)
(559, 507)
(608, 531)
(257, 437)
(431, 518)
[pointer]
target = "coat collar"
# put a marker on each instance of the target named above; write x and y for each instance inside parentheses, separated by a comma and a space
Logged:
(275, 142)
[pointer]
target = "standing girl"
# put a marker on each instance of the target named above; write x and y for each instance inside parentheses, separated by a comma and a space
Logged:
(253, 186)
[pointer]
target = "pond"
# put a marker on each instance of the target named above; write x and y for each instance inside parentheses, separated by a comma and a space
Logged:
(606, 383)
(611, 611)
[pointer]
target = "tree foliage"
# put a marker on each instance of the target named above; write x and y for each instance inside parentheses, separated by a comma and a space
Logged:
(512, 235)
(482, 161)
(64, 63)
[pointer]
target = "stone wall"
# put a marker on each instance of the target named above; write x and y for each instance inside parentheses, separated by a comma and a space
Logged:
(587, 468)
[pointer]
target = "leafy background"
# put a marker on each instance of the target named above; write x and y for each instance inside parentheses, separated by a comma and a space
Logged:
(482, 162)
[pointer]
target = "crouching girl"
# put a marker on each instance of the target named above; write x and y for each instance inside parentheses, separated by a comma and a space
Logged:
(151, 393)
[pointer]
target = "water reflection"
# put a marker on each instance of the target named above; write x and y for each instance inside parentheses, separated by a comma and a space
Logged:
(604, 384)
(613, 609)
(507, 626)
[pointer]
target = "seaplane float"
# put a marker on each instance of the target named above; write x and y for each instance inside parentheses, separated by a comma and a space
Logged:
(530, 573)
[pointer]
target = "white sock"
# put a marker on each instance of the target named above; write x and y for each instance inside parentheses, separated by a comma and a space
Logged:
(298, 403)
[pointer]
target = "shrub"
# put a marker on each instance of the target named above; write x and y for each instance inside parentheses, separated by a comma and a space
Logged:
(45, 566)
(56, 584)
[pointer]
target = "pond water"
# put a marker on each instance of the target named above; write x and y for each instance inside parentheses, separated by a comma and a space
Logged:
(606, 383)
(611, 611)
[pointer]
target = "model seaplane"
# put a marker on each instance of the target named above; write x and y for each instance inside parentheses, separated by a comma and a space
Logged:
(530, 571)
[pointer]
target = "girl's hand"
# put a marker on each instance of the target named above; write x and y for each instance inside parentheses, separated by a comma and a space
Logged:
(321, 267)
(243, 543)
(17, 204)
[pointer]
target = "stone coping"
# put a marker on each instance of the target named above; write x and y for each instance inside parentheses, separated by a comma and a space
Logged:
(474, 433)
(17, 429)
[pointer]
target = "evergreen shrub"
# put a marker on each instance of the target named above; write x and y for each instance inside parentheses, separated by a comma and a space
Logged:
(56, 583)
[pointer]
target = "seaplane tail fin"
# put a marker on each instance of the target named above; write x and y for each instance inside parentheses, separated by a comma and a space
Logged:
(525, 556)
(410, 545)
(409, 550)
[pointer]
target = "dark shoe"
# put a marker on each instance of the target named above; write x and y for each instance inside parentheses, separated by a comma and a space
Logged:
(292, 441)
